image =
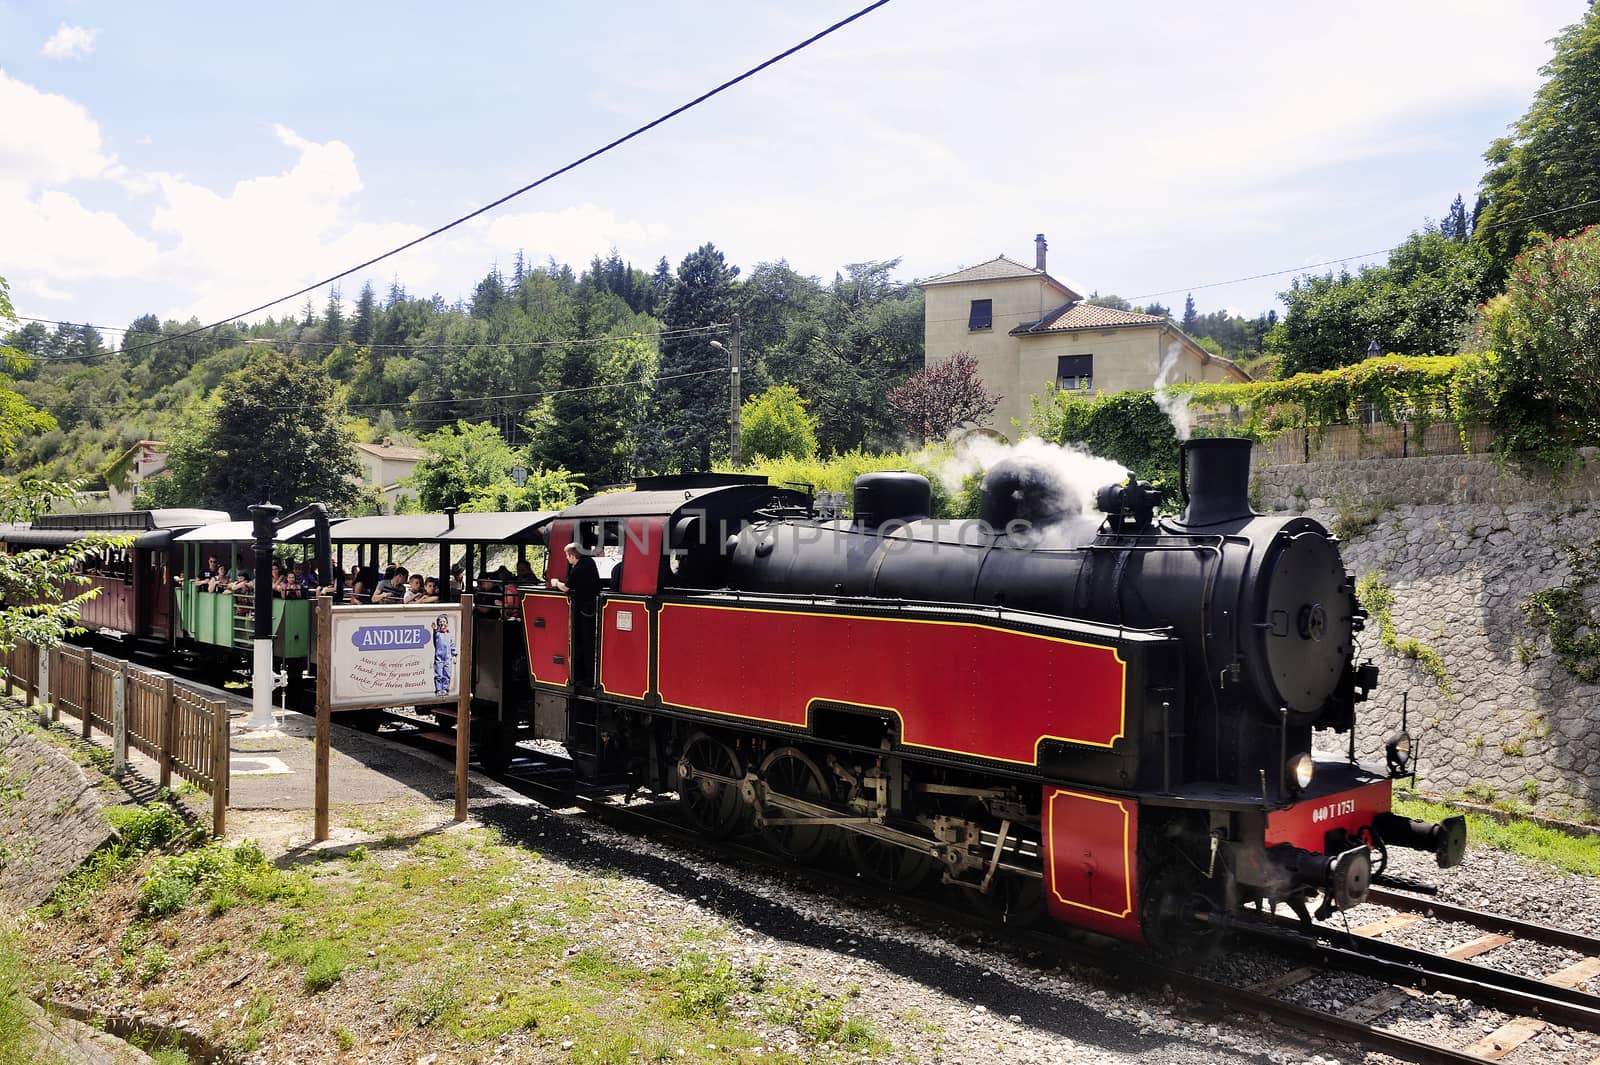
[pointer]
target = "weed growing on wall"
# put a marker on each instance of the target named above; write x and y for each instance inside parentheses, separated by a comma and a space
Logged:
(1563, 614)
(1376, 595)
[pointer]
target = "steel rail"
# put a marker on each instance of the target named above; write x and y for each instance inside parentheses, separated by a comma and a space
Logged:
(1490, 922)
(1409, 967)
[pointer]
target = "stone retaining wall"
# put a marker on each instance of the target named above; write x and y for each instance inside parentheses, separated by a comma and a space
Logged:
(1462, 543)
(50, 815)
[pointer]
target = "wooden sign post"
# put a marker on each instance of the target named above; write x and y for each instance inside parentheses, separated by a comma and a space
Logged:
(398, 640)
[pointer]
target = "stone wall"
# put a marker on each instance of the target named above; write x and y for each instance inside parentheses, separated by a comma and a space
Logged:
(1461, 543)
(50, 814)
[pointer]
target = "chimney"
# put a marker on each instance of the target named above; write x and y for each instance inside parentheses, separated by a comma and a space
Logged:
(1039, 248)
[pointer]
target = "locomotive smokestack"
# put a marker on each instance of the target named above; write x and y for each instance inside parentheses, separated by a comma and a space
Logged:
(1039, 248)
(1215, 473)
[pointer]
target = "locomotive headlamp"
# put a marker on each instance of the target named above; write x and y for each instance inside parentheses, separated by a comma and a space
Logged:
(1300, 770)
(1397, 752)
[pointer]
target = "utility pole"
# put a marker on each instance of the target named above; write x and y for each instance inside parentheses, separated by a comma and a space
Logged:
(735, 429)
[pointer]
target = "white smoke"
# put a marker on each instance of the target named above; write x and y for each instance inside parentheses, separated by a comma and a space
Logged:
(1064, 481)
(1174, 406)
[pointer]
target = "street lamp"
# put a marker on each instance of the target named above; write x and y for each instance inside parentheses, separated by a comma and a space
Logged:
(734, 428)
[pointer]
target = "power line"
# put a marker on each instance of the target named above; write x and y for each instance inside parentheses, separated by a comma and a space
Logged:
(402, 404)
(552, 175)
(686, 332)
(1349, 258)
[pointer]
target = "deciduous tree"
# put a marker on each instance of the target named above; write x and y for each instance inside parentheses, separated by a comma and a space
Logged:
(942, 397)
(1551, 161)
(776, 424)
(273, 431)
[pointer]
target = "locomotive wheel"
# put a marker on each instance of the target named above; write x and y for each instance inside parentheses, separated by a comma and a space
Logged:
(788, 771)
(888, 866)
(1174, 903)
(1013, 900)
(712, 807)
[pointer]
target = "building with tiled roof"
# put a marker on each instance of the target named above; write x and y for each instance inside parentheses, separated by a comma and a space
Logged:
(1027, 330)
(385, 466)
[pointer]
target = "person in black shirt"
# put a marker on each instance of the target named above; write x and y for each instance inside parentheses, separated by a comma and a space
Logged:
(583, 590)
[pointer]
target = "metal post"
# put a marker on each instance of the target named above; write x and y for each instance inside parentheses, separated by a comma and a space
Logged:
(735, 427)
(41, 685)
(45, 661)
(119, 721)
(264, 516)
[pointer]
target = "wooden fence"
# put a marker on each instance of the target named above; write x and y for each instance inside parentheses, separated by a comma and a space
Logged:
(184, 732)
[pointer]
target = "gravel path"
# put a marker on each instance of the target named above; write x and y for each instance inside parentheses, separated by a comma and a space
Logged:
(933, 995)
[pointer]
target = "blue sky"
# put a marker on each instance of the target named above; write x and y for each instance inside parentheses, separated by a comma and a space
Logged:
(199, 160)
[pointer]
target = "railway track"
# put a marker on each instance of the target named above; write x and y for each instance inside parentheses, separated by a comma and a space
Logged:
(1529, 1005)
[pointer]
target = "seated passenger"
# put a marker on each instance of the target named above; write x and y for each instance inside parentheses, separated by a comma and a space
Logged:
(393, 589)
(414, 588)
(430, 591)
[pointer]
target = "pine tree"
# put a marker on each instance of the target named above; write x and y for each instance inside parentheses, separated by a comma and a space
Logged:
(660, 286)
(366, 310)
(488, 293)
(333, 327)
(308, 317)
(1189, 314)
(1455, 226)
(397, 294)
(691, 411)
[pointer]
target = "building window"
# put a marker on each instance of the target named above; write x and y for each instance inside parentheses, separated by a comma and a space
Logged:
(981, 316)
(1075, 373)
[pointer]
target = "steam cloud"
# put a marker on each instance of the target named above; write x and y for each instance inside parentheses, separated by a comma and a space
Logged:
(1058, 485)
(1175, 407)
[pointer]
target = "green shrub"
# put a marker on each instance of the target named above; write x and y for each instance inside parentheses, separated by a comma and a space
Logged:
(221, 873)
(1127, 427)
(1545, 330)
(776, 424)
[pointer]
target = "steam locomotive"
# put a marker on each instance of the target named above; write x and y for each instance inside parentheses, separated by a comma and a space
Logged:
(1108, 718)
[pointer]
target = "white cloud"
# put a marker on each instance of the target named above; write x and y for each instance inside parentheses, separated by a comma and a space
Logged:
(46, 139)
(574, 235)
(69, 42)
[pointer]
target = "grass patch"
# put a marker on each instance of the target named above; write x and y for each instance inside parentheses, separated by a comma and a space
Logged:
(140, 830)
(1572, 854)
(16, 1038)
(221, 874)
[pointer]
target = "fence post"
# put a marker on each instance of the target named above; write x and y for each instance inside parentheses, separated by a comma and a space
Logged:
(219, 768)
(46, 684)
(169, 717)
(119, 720)
(33, 679)
(87, 704)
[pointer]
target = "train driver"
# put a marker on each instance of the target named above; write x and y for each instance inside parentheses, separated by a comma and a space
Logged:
(583, 590)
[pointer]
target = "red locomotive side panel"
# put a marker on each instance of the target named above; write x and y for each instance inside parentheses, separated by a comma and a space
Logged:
(545, 621)
(1306, 824)
(641, 555)
(1091, 856)
(956, 686)
(625, 648)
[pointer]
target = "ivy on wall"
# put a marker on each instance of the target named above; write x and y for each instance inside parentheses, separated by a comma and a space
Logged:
(1564, 615)
(1375, 594)
(1413, 388)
